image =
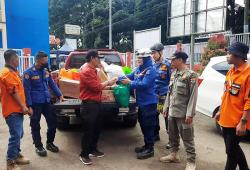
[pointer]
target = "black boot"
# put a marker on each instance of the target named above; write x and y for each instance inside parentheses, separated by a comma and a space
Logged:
(41, 151)
(139, 149)
(168, 146)
(51, 147)
(157, 138)
(146, 153)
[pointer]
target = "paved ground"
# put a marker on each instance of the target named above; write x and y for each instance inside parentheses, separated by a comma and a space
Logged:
(118, 144)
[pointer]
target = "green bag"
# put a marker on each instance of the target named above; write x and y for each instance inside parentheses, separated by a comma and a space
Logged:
(122, 95)
(127, 70)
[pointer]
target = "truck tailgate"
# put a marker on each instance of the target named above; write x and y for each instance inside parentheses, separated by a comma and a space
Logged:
(76, 103)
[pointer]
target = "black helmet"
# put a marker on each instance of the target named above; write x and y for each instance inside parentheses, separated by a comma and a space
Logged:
(157, 47)
(239, 49)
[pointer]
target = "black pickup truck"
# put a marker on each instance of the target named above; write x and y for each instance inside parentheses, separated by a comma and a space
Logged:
(68, 112)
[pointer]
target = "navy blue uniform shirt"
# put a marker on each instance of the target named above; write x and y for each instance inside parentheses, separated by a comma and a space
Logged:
(36, 85)
(163, 74)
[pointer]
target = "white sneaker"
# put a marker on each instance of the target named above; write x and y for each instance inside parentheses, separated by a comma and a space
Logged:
(190, 166)
(172, 157)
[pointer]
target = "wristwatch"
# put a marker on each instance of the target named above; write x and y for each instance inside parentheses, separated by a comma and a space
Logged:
(244, 120)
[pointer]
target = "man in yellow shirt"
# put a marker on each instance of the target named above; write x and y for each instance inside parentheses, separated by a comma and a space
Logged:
(234, 114)
(13, 108)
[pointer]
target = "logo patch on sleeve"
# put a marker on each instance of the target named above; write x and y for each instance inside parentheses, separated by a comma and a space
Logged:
(26, 76)
(164, 67)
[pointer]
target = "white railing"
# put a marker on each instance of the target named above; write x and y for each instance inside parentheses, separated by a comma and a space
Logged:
(199, 47)
(198, 50)
(244, 38)
(25, 62)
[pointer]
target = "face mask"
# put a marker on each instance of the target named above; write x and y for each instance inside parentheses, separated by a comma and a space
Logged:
(45, 65)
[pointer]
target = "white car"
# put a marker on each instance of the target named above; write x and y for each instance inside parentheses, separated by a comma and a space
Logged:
(211, 85)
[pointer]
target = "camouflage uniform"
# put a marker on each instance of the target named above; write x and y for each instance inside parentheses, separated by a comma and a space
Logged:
(180, 103)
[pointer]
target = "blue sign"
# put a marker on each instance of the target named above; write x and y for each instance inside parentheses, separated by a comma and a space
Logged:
(27, 25)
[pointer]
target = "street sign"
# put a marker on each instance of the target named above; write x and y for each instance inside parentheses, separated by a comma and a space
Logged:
(146, 38)
(72, 29)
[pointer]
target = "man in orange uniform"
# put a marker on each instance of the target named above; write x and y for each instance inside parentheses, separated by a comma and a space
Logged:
(13, 108)
(234, 114)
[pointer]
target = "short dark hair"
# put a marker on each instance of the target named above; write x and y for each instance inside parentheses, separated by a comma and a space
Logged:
(184, 60)
(181, 55)
(9, 55)
(40, 55)
(91, 54)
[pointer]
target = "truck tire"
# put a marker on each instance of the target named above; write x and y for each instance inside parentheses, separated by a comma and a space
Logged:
(218, 127)
(130, 121)
(62, 123)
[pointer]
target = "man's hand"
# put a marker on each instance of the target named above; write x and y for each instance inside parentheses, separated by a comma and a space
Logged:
(189, 120)
(165, 114)
(217, 116)
(113, 81)
(30, 111)
(241, 129)
(25, 110)
(126, 81)
(61, 98)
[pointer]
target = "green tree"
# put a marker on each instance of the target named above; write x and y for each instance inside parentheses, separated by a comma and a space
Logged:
(93, 17)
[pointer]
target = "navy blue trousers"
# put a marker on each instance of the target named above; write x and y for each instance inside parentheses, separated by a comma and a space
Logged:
(147, 119)
(47, 110)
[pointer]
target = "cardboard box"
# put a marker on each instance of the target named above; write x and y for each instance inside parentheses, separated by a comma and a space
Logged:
(102, 75)
(108, 96)
(70, 88)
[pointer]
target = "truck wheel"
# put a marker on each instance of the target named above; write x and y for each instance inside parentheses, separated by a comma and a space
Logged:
(130, 121)
(218, 127)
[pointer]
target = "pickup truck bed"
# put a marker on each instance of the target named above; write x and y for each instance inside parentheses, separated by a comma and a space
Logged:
(68, 112)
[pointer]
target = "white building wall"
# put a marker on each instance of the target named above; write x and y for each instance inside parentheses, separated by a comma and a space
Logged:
(3, 31)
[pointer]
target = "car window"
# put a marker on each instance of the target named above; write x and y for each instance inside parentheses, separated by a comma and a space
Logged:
(111, 59)
(222, 67)
(62, 58)
(76, 61)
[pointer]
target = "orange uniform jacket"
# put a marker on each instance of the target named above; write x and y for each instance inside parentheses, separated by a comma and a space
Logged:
(10, 82)
(236, 97)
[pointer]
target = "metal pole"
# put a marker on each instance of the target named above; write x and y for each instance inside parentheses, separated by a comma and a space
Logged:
(246, 13)
(134, 50)
(3, 25)
(160, 33)
(110, 24)
(193, 30)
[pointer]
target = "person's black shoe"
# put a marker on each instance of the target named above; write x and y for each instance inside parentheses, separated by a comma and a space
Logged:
(157, 138)
(168, 146)
(139, 149)
(85, 160)
(146, 153)
(51, 147)
(97, 154)
(41, 151)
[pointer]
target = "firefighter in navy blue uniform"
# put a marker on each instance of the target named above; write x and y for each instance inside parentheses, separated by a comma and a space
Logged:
(37, 81)
(163, 73)
(142, 80)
